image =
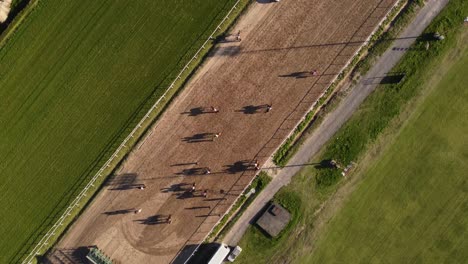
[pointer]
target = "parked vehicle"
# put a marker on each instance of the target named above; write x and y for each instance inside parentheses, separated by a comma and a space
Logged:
(234, 253)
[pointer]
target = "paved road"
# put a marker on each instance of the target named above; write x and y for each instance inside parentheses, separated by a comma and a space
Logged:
(339, 116)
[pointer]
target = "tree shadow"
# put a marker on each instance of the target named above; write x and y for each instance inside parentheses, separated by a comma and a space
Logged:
(325, 164)
(427, 37)
(392, 79)
(389, 78)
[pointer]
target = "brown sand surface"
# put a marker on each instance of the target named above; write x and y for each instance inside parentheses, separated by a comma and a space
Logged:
(281, 44)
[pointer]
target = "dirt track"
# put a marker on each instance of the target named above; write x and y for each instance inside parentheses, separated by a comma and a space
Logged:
(280, 41)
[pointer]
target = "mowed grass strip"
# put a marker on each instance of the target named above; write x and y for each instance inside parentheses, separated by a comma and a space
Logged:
(73, 78)
(412, 206)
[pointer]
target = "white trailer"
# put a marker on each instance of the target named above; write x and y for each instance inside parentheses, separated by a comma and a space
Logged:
(220, 255)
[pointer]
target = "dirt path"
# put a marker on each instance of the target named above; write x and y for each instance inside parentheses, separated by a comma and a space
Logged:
(334, 120)
(281, 44)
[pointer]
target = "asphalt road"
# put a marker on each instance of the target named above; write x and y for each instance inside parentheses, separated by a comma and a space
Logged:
(334, 120)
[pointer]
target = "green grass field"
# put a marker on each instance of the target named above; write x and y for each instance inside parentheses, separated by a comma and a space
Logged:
(412, 206)
(74, 78)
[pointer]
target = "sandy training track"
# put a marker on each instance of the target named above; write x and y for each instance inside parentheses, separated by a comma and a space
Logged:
(281, 44)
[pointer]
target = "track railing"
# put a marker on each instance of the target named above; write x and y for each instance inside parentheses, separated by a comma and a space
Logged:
(139, 128)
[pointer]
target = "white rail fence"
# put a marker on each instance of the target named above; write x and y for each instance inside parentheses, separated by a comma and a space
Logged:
(79, 199)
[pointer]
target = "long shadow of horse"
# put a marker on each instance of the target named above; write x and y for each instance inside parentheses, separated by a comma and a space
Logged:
(194, 171)
(154, 220)
(253, 109)
(186, 195)
(200, 111)
(240, 166)
(298, 75)
(180, 190)
(179, 187)
(120, 212)
(122, 182)
(125, 187)
(202, 137)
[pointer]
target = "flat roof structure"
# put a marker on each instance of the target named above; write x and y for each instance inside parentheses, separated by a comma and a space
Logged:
(274, 219)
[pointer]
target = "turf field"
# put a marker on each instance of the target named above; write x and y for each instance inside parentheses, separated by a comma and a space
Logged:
(73, 78)
(412, 206)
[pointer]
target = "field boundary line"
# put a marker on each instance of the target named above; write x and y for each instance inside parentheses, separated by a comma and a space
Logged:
(67, 215)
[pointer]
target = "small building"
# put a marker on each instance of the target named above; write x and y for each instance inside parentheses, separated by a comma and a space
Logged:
(274, 219)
